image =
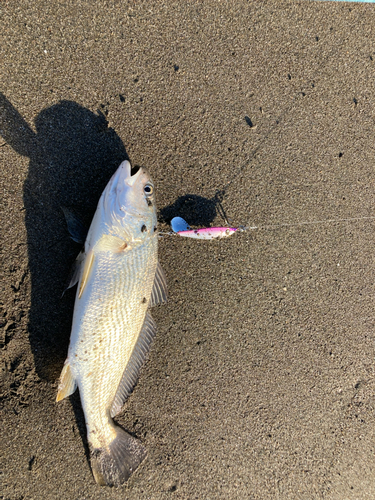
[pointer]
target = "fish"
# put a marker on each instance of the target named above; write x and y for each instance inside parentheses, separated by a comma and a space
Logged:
(119, 279)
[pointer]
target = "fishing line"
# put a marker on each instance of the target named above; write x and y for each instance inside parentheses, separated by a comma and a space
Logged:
(305, 223)
(210, 233)
(220, 194)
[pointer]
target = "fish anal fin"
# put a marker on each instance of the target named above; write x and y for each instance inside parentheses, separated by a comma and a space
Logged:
(67, 384)
(86, 271)
(113, 464)
(159, 294)
(137, 358)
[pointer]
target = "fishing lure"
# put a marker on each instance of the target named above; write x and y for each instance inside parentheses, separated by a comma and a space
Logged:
(181, 228)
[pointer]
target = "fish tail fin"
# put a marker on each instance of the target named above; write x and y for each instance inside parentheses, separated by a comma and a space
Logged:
(112, 465)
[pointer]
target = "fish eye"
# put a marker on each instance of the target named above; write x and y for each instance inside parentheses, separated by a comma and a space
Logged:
(148, 189)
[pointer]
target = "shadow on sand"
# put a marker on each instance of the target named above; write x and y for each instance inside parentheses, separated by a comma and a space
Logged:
(72, 156)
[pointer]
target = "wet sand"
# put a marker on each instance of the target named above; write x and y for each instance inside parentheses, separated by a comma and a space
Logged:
(260, 382)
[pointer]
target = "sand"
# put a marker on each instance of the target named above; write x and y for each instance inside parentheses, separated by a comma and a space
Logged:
(260, 382)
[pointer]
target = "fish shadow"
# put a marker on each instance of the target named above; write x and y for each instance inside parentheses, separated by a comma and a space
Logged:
(73, 153)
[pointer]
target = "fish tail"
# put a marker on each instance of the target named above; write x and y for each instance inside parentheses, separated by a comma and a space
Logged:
(113, 464)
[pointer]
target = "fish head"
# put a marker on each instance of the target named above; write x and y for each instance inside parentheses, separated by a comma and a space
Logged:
(129, 199)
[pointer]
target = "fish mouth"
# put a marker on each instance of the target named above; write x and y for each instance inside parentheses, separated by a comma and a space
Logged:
(134, 174)
(124, 171)
(125, 175)
(134, 170)
(121, 192)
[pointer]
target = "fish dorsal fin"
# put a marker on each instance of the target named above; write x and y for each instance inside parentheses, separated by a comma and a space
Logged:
(67, 383)
(137, 358)
(159, 294)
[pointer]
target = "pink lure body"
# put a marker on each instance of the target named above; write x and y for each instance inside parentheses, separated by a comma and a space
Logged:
(208, 233)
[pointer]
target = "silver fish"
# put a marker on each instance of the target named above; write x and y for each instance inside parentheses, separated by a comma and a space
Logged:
(119, 279)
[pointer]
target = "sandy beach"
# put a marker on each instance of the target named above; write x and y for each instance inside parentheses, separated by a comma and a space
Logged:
(260, 383)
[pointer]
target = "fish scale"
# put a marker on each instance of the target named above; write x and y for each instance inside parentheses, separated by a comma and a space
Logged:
(119, 317)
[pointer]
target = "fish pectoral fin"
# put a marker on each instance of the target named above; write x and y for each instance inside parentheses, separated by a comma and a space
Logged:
(109, 243)
(77, 229)
(159, 294)
(75, 272)
(86, 271)
(106, 243)
(132, 369)
(67, 384)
